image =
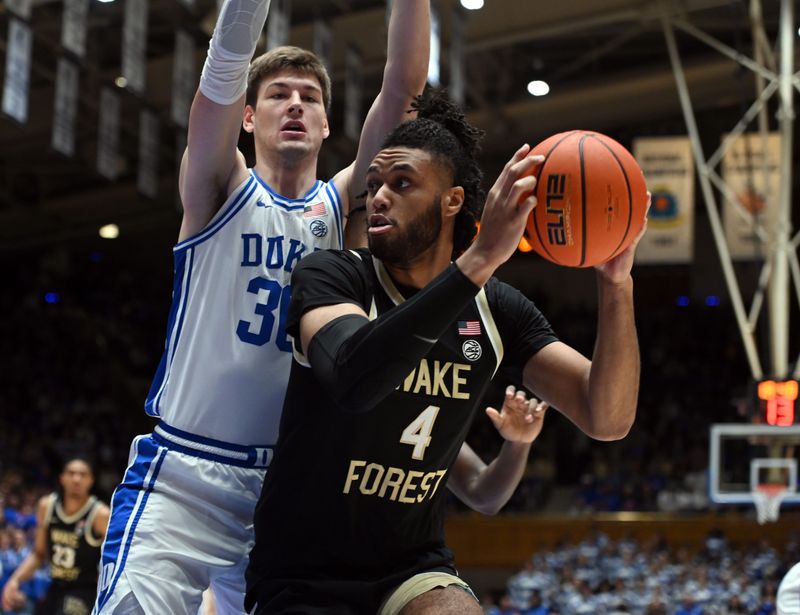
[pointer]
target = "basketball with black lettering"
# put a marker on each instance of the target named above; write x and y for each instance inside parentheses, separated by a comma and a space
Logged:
(592, 199)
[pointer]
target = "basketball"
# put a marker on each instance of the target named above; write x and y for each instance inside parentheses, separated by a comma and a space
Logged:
(592, 199)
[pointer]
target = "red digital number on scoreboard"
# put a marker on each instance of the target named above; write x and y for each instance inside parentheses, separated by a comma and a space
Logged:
(778, 398)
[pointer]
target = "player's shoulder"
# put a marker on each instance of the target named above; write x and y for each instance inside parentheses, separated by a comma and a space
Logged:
(322, 259)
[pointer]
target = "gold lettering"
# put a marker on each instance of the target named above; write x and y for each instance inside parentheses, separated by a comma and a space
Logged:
(409, 485)
(63, 537)
(458, 380)
(409, 381)
(438, 378)
(393, 478)
(378, 469)
(440, 474)
(352, 475)
(423, 378)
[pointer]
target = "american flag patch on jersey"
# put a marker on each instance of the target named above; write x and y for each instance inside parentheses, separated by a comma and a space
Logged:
(469, 327)
(312, 211)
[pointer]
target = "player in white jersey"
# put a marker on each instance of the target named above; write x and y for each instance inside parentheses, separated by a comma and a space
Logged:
(181, 519)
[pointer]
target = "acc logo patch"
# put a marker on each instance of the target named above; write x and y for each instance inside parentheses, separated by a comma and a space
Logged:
(472, 350)
(318, 228)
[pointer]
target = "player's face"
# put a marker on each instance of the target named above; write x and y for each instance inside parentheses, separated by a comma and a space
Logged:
(77, 479)
(404, 212)
(289, 116)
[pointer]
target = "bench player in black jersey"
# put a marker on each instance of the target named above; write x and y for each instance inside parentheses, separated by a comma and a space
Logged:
(394, 348)
(71, 524)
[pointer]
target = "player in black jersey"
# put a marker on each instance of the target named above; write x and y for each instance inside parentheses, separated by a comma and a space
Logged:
(394, 348)
(71, 524)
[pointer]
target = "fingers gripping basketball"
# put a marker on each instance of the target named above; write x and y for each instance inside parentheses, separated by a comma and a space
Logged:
(592, 199)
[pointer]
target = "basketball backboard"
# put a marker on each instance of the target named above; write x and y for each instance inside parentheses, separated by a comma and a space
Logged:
(745, 457)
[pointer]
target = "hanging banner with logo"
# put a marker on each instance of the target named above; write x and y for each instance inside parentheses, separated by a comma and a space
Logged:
(456, 85)
(750, 170)
(668, 168)
(323, 43)
(353, 86)
(65, 107)
(108, 134)
(147, 177)
(278, 23)
(134, 45)
(184, 81)
(73, 26)
(20, 8)
(18, 70)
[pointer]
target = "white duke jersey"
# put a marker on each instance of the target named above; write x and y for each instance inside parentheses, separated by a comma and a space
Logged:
(227, 357)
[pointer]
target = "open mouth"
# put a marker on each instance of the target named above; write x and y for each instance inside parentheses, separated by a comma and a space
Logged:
(295, 126)
(378, 224)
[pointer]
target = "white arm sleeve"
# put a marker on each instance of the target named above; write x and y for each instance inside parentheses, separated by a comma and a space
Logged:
(240, 23)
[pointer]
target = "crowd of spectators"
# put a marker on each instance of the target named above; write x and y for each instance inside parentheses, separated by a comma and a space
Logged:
(600, 576)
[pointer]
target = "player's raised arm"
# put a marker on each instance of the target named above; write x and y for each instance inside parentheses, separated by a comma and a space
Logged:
(487, 488)
(212, 165)
(404, 76)
(599, 396)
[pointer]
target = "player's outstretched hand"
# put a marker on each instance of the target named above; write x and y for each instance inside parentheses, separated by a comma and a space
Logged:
(619, 268)
(13, 598)
(520, 419)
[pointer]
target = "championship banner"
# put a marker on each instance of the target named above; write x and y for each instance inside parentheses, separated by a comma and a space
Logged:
(73, 26)
(134, 44)
(66, 107)
(108, 134)
(278, 24)
(323, 43)
(755, 187)
(184, 82)
(147, 178)
(456, 85)
(20, 8)
(668, 168)
(18, 70)
(434, 70)
(353, 86)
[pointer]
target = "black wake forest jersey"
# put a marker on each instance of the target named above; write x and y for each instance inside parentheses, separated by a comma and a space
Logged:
(74, 549)
(360, 496)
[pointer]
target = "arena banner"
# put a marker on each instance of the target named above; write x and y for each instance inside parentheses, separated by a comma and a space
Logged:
(65, 107)
(278, 23)
(456, 84)
(147, 177)
(323, 43)
(184, 81)
(750, 168)
(434, 60)
(134, 45)
(18, 70)
(668, 168)
(20, 8)
(353, 87)
(108, 134)
(73, 27)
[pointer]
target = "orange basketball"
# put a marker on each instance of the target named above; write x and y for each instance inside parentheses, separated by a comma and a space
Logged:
(591, 196)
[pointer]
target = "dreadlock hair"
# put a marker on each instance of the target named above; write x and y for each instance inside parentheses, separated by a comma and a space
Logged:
(441, 129)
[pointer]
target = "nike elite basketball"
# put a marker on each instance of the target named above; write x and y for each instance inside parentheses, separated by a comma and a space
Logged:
(592, 199)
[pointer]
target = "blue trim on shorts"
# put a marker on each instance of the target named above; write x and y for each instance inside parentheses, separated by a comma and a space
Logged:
(239, 455)
(127, 508)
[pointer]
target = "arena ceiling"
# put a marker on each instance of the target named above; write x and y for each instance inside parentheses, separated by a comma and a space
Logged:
(606, 62)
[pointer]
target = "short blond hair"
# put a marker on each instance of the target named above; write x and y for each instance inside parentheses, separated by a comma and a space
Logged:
(287, 57)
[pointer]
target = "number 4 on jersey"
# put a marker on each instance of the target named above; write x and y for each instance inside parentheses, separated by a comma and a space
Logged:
(418, 432)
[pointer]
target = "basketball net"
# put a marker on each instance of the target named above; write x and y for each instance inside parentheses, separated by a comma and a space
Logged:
(768, 498)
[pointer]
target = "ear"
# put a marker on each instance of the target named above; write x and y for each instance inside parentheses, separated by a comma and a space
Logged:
(326, 129)
(452, 201)
(247, 119)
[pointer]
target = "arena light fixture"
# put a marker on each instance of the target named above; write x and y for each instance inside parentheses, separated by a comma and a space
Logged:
(109, 231)
(537, 87)
(120, 82)
(472, 5)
